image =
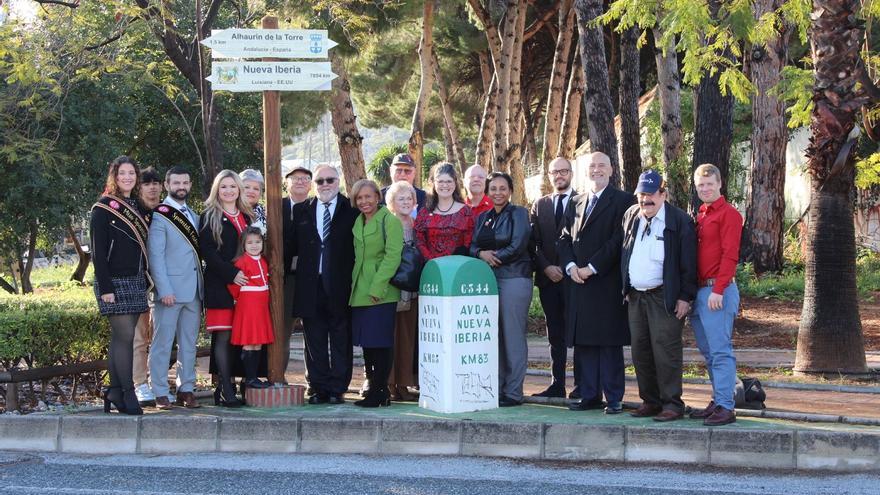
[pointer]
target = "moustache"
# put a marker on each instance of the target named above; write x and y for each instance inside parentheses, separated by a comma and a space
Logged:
(646, 203)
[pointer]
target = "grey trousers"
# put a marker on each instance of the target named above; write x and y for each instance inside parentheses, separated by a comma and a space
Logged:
(656, 350)
(182, 321)
(514, 298)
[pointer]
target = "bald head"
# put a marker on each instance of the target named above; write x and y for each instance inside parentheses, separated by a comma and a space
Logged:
(599, 172)
(475, 178)
(560, 173)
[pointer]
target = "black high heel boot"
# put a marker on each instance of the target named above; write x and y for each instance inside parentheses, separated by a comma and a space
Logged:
(113, 397)
(132, 407)
(217, 395)
(227, 396)
(376, 398)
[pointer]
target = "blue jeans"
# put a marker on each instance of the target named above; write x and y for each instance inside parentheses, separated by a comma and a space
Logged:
(714, 331)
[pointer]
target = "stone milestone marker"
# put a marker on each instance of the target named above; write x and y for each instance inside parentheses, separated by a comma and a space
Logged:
(458, 336)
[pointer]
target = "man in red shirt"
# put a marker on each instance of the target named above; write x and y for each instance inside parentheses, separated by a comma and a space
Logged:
(719, 228)
(475, 178)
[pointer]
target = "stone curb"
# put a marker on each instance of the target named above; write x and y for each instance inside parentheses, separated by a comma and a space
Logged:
(736, 447)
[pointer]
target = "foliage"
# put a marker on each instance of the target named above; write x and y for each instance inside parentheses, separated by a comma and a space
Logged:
(378, 167)
(796, 88)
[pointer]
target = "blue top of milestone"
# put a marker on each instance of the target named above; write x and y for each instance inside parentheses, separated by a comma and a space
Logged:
(457, 276)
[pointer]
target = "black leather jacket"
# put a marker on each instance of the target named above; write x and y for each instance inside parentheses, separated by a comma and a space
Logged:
(512, 233)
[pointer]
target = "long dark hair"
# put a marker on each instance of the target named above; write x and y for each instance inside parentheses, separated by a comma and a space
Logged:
(111, 187)
(242, 240)
(443, 168)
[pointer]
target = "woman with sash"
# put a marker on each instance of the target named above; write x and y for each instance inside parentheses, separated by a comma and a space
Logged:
(226, 216)
(119, 227)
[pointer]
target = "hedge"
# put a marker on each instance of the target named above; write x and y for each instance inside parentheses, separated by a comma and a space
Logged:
(52, 327)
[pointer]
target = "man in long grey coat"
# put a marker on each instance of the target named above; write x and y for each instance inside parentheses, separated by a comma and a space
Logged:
(176, 269)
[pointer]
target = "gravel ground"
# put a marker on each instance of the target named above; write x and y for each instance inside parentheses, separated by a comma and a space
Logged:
(332, 474)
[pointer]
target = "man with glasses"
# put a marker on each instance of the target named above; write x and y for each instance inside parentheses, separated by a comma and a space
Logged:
(298, 180)
(548, 218)
(321, 235)
(659, 269)
(403, 167)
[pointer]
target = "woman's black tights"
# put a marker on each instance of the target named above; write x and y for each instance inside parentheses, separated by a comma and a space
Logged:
(223, 362)
(121, 352)
(377, 364)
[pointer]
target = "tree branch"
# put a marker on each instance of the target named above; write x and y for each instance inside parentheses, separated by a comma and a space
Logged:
(74, 4)
(539, 24)
(491, 30)
(211, 16)
(105, 42)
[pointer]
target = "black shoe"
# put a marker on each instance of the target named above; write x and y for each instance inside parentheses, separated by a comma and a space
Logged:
(551, 391)
(257, 383)
(319, 398)
(113, 397)
(225, 395)
(131, 403)
(336, 399)
(574, 394)
(376, 398)
(614, 408)
(586, 405)
(505, 401)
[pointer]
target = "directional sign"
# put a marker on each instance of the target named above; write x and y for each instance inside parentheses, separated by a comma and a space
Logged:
(271, 76)
(279, 43)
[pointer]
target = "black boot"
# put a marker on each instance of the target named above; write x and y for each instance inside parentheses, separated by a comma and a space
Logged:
(251, 364)
(132, 406)
(113, 396)
(223, 360)
(378, 395)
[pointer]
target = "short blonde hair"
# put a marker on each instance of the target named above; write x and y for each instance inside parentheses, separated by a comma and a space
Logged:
(397, 188)
(356, 189)
(707, 170)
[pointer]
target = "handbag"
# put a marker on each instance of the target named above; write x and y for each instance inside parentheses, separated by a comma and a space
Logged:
(409, 272)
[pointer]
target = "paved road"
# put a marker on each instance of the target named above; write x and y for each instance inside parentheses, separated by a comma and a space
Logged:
(282, 474)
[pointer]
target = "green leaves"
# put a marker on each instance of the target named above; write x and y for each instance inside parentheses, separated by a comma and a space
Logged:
(796, 89)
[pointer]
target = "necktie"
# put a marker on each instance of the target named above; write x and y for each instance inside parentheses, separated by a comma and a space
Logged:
(647, 231)
(185, 211)
(593, 200)
(326, 227)
(560, 208)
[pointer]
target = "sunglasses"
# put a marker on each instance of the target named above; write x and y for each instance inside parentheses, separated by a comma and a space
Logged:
(329, 181)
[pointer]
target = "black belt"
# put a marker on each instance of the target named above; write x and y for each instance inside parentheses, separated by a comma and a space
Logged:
(652, 290)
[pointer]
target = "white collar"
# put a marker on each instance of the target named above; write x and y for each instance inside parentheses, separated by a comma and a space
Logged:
(172, 202)
(661, 214)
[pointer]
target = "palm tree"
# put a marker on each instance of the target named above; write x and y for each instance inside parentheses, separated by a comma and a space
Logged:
(830, 333)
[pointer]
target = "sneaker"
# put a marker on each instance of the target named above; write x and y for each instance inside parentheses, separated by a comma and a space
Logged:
(144, 394)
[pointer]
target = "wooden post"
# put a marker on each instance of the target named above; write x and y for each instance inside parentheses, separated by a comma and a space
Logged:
(275, 239)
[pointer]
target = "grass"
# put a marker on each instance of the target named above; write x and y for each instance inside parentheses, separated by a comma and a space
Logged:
(789, 285)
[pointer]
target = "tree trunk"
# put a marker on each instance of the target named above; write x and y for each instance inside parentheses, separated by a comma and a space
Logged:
(27, 268)
(713, 131)
(83, 257)
(830, 334)
(454, 151)
(765, 210)
(572, 116)
(556, 93)
(345, 125)
(504, 101)
(416, 138)
(669, 92)
(516, 118)
(630, 90)
(6, 286)
(597, 96)
(484, 155)
(492, 37)
(485, 71)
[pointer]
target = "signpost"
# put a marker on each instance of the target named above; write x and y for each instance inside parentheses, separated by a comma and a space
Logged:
(271, 76)
(281, 43)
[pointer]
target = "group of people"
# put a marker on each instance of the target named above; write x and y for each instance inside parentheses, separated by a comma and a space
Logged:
(612, 268)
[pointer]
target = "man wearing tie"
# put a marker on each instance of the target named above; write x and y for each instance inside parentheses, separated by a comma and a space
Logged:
(596, 326)
(176, 269)
(322, 238)
(548, 218)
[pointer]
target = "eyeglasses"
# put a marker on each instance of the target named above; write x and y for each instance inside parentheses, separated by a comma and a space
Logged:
(329, 181)
(559, 172)
(301, 179)
(404, 171)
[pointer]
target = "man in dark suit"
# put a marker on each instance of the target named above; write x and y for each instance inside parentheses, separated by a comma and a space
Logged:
(298, 180)
(403, 167)
(321, 236)
(596, 324)
(659, 272)
(548, 218)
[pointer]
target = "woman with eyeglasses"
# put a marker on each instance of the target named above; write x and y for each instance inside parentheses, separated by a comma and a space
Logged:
(446, 224)
(501, 239)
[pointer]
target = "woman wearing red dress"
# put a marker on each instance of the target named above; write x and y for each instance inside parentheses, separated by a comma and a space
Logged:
(252, 323)
(445, 225)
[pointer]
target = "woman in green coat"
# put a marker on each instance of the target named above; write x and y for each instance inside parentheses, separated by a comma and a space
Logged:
(378, 242)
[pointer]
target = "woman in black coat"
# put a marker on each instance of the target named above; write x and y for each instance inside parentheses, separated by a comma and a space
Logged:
(226, 215)
(118, 233)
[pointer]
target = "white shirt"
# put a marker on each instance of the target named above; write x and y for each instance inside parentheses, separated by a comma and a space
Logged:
(646, 262)
(556, 196)
(598, 195)
(180, 206)
(319, 222)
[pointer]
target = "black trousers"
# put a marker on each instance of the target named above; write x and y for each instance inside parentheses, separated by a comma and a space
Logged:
(601, 370)
(552, 300)
(328, 351)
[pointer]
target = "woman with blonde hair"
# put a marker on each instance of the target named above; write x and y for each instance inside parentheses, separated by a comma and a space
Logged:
(225, 217)
(401, 199)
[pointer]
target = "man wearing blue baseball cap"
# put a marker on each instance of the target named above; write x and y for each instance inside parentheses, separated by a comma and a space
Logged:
(659, 268)
(403, 167)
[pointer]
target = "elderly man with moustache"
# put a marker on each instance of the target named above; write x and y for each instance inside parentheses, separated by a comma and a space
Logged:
(322, 237)
(548, 219)
(596, 323)
(659, 271)
(403, 167)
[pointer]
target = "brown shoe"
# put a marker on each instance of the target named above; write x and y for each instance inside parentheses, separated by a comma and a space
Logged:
(720, 416)
(668, 415)
(187, 400)
(646, 410)
(163, 404)
(703, 413)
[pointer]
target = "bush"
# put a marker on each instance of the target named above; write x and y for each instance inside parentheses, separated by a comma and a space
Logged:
(52, 327)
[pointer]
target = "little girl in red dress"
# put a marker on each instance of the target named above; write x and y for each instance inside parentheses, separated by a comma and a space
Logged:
(252, 323)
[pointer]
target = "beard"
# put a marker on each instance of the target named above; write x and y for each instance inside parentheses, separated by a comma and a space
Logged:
(179, 194)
